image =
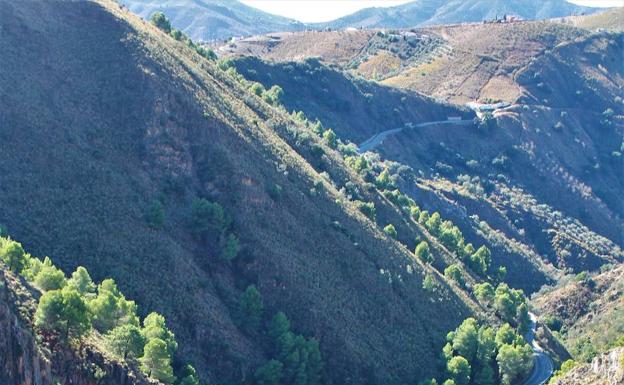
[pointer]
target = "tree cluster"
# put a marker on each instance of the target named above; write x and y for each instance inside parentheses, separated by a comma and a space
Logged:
(482, 355)
(69, 309)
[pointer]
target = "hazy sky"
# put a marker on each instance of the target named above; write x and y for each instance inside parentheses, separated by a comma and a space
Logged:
(326, 10)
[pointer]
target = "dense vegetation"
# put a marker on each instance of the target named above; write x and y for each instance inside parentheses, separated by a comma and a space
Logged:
(70, 309)
(478, 354)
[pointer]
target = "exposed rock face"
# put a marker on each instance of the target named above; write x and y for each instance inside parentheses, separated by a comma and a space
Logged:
(24, 361)
(606, 369)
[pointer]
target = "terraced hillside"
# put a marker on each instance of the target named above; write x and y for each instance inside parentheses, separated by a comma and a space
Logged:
(127, 152)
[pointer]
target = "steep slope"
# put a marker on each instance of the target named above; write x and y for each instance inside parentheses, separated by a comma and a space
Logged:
(498, 183)
(427, 12)
(207, 20)
(103, 114)
(587, 310)
(607, 369)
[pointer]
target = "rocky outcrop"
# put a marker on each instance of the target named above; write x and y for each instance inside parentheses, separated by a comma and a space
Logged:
(25, 360)
(606, 369)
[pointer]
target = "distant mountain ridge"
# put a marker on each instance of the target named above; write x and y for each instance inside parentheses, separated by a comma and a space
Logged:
(431, 12)
(207, 20)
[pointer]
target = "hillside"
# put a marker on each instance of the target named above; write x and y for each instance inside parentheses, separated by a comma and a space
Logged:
(587, 310)
(607, 369)
(207, 20)
(426, 12)
(116, 142)
(540, 208)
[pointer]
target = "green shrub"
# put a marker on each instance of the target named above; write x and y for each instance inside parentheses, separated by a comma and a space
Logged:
(231, 248)
(423, 253)
(155, 215)
(390, 231)
(454, 273)
(250, 309)
(160, 20)
(368, 209)
(330, 138)
(156, 361)
(13, 255)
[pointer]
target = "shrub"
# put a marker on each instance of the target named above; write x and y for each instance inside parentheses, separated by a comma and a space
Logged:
(231, 248)
(155, 215)
(270, 374)
(111, 309)
(368, 209)
(429, 283)
(208, 218)
(257, 89)
(250, 309)
(330, 139)
(423, 253)
(160, 20)
(274, 95)
(81, 281)
(390, 231)
(454, 272)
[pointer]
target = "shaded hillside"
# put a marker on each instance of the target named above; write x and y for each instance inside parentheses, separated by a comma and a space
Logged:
(106, 121)
(356, 108)
(427, 12)
(495, 180)
(207, 20)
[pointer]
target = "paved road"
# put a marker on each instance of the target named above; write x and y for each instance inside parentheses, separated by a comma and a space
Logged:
(543, 365)
(377, 139)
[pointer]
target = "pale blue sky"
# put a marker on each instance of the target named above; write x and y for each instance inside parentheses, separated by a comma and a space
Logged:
(325, 10)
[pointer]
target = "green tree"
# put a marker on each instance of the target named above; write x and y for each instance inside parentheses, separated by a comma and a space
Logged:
(368, 209)
(231, 248)
(431, 381)
(433, 223)
(155, 327)
(422, 252)
(449, 382)
(480, 261)
(514, 362)
(484, 293)
(523, 318)
(279, 326)
(459, 370)
(250, 309)
(390, 231)
(330, 138)
(155, 215)
(13, 255)
(187, 376)
(257, 89)
(466, 339)
(111, 309)
(383, 181)
(429, 283)
(274, 95)
(160, 20)
(81, 281)
(126, 341)
(156, 361)
(454, 272)
(506, 335)
(270, 374)
(208, 218)
(64, 312)
(49, 277)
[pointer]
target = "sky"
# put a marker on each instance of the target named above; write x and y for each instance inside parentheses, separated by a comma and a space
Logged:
(310, 11)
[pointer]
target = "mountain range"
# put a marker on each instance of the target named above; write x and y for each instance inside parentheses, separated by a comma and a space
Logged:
(208, 20)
